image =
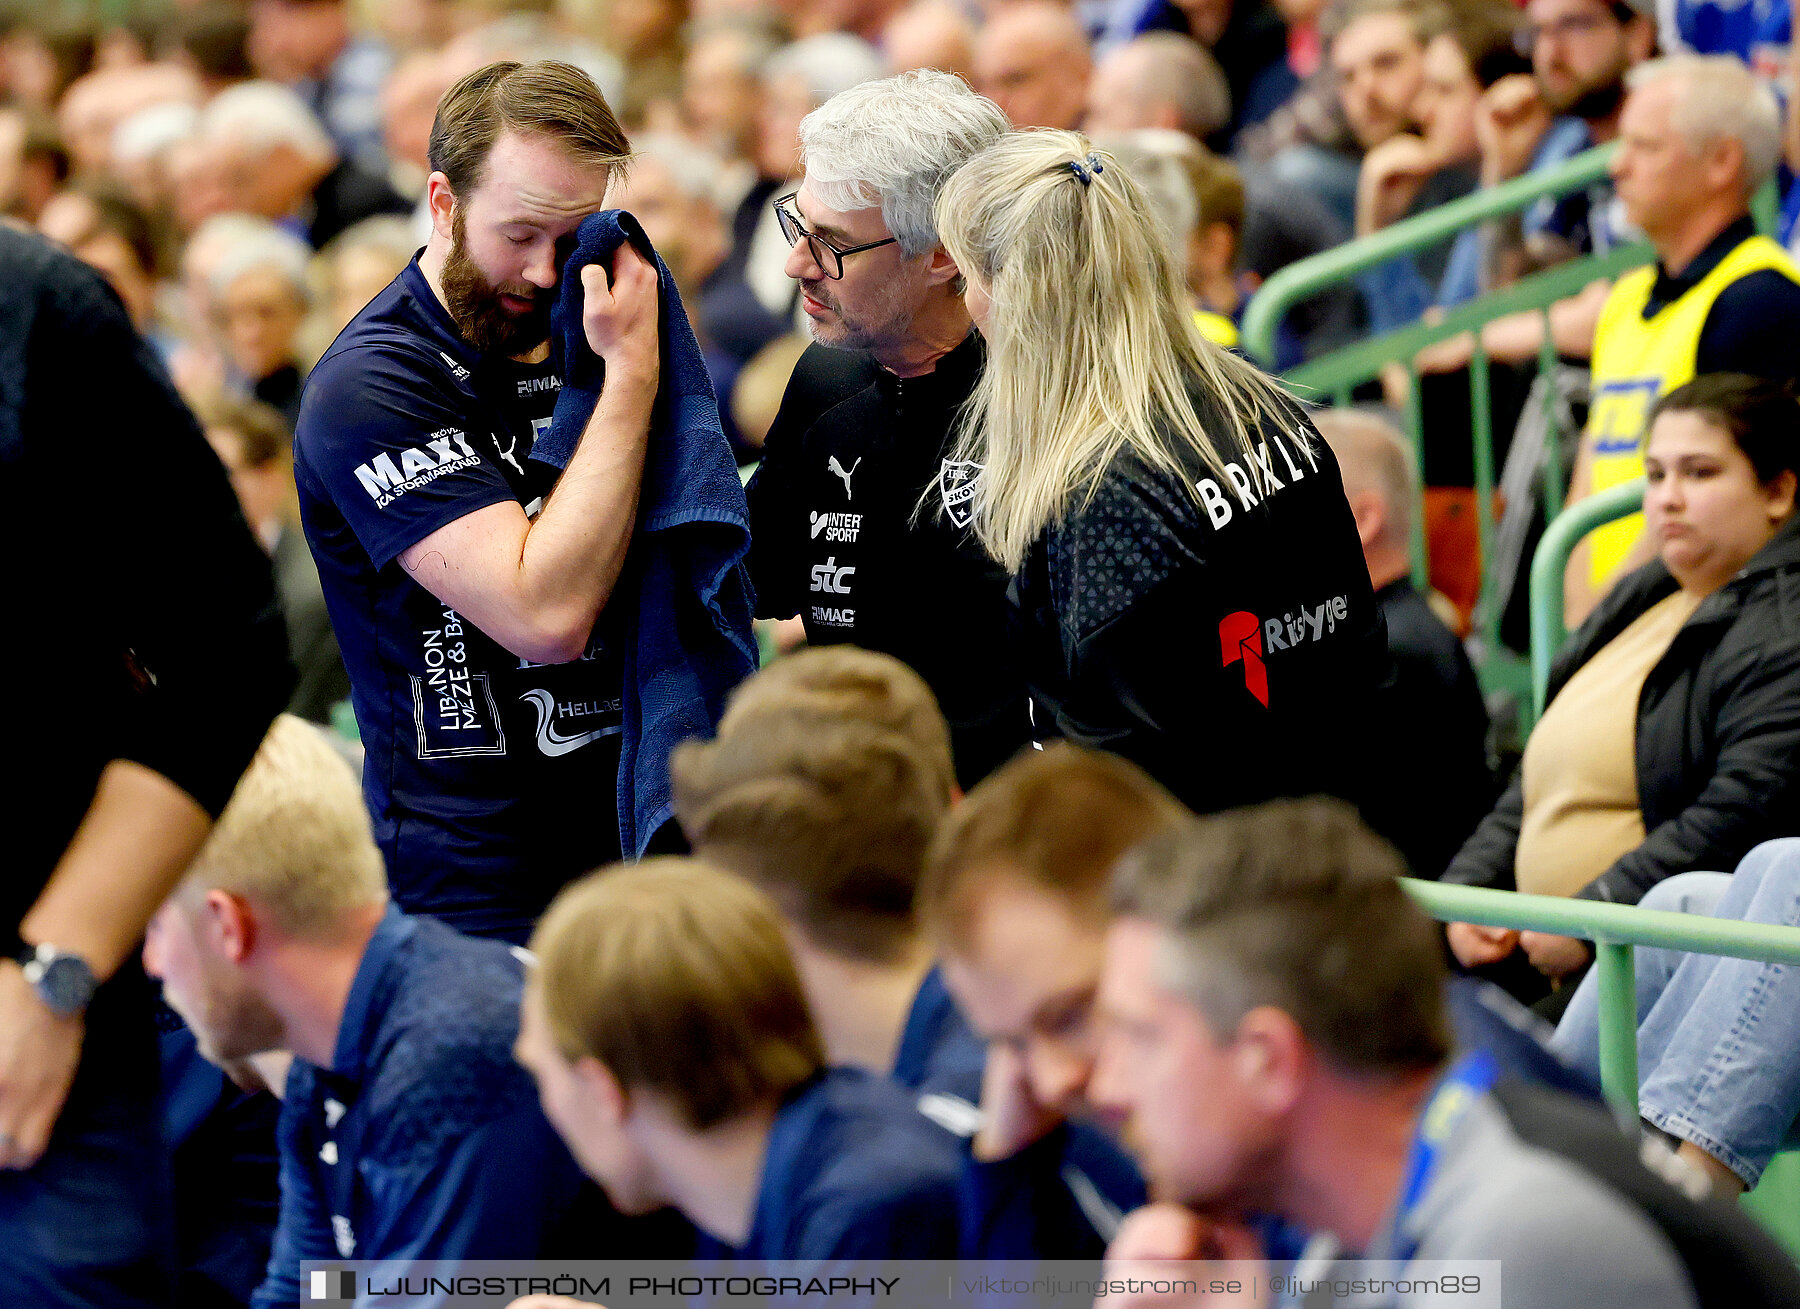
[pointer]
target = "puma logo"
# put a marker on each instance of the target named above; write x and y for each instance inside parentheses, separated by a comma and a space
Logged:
(840, 470)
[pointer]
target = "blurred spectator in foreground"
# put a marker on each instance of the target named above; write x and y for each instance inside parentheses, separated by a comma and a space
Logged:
(721, 86)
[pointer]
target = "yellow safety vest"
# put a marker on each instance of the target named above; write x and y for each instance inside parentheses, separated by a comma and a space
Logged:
(1636, 362)
(1217, 328)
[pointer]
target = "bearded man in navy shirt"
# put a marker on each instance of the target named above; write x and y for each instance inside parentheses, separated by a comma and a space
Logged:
(468, 586)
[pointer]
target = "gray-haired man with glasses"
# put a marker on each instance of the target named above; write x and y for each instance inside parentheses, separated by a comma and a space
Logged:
(864, 429)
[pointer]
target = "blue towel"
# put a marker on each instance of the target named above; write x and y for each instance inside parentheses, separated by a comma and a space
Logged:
(685, 591)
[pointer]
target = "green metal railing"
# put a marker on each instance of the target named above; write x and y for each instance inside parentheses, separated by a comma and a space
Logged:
(1616, 930)
(1302, 280)
(1339, 374)
(1551, 562)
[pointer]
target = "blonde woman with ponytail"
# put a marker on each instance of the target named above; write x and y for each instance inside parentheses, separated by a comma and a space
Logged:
(1188, 569)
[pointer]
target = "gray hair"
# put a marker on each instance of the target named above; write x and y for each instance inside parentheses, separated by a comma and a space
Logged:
(1720, 99)
(894, 143)
(829, 63)
(1181, 71)
(266, 247)
(263, 115)
(697, 172)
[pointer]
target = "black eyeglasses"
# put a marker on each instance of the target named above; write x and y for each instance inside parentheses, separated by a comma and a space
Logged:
(826, 255)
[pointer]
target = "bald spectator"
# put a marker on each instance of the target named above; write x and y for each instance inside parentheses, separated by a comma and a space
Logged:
(1159, 80)
(95, 105)
(1032, 60)
(267, 154)
(1432, 746)
(930, 34)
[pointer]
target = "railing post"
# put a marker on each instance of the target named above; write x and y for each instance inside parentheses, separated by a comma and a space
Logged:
(1618, 1027)
(1481, 410)
(1417, 543)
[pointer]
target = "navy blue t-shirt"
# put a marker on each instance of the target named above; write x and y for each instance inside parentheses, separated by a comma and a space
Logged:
(852, 1171)
(423, 1140)
(490, 779)
(940, 1058)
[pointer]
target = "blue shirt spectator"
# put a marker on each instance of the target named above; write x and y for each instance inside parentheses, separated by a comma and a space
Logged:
(853, 1171)
(423, 1139)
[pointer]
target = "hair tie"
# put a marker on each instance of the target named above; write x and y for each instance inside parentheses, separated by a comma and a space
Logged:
(1085, 172)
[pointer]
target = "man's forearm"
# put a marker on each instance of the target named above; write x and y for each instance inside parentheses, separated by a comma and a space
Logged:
(140, 834)
(576, 546)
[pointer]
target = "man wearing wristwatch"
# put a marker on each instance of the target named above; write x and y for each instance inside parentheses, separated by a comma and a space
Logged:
(147, 663)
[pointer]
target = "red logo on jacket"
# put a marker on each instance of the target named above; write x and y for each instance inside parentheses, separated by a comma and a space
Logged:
(1240, 640)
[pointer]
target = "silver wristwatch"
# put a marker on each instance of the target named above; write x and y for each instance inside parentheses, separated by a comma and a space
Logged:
(63, 981)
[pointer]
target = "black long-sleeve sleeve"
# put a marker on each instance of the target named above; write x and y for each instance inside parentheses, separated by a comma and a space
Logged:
(144, 619)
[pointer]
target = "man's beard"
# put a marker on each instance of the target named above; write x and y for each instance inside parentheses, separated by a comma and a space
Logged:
(1590, 101)
(235, 1023)
(884, 322)
(474, 302)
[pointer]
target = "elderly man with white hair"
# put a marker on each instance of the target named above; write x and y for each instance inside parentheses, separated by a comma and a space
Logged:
(1699, 136)
(859, 517)
(260, 293)
(271, 156)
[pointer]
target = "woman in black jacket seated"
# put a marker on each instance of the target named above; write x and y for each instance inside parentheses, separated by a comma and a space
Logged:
(1672, 738)
(1188, 569)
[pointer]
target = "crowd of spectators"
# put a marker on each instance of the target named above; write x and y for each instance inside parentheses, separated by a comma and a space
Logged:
(986, 390)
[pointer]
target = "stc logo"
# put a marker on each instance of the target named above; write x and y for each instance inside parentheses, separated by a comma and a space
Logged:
(831, 579)
(1240, 639)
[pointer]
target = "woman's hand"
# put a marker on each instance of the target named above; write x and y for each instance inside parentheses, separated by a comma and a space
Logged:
(1476, 946)
(1555, 956)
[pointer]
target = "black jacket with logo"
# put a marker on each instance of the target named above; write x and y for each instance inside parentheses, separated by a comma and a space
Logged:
(1231, 644)
(835, 538)
(1718, 729)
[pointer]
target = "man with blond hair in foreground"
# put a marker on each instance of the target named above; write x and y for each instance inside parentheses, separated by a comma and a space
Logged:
(407, 1132)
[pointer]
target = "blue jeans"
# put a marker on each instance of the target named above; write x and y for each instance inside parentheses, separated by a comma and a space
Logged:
(87, 1226)
(1718, 1038)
